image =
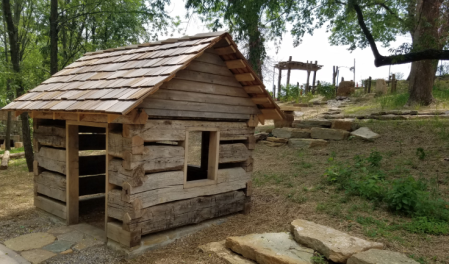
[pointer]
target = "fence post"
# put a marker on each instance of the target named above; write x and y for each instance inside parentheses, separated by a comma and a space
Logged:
(369, 85)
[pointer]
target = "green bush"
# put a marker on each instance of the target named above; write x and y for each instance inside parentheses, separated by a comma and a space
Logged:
(403, 195)
(326, 89)
(289, 92)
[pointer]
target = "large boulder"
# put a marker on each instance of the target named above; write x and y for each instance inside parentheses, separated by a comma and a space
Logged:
(270, 248)
(309, 123)
(381, 86)
(375, 256)
(328, 133)
(365, 134)
(346, 88)
(305, 143)
(288, 132)
(333, 244)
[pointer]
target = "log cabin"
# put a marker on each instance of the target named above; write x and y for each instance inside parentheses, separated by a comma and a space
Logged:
(173, 122)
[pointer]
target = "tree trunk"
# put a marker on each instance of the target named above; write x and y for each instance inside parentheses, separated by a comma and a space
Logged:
(422, 73)
(256, 52)
(54, 37)
(9, 95)
(8, 132)
(15, 60)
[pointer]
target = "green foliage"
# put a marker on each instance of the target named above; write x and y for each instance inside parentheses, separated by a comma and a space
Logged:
(14, 150)
(319, 259)
(420, 153)
(289, 92)
(326, 89)
(407, 196)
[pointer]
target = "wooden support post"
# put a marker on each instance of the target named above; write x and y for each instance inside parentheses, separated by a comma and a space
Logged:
(288, 71)
(314, 78)
(365, 88)
(308, 78)
(393, 83)
(369, 85)
(72, 174)
(333, 75)
(279, 83)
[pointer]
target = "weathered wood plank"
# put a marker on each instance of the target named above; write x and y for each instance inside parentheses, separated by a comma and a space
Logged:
(202, 98)
(226, 50)
(119, 175)
(160, 104)
(51, 184)
(191, 211)
(51, 206)
(117, 144)
(156, 158)
(52, 159)
(207, 78)
(230, 153)
(228, 180)
(195, 115)
(157, 130)
(245, 77)
(209, 68)
(235, 64)
(204, 88)
(126, 238)
(210, 56)
(154, 181)
(50, 136)
(72, 175)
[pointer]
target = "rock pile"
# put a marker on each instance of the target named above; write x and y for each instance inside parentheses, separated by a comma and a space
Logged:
(299, 246)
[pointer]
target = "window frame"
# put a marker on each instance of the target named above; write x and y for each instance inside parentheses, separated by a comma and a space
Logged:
(213, 152)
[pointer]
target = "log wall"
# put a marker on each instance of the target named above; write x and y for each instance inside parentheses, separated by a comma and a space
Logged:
(146, 170)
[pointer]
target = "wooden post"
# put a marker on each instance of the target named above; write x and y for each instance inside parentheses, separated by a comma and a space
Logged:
(369, 85)
(365, 84)
(393, 83)
(279, 83)
(274, 91)
(288, 70)
(314, 78)
(308, 78)
(72, 175)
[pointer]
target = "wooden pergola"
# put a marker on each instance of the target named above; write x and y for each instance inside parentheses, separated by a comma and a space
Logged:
(297, 65)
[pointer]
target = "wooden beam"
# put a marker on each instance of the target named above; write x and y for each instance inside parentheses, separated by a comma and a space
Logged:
(235, 64)
(225, 50)
(261, 119)
(17, 113)
(72, 174)
(253, 89)
(271, 114)
(245, 77)
(261, 100)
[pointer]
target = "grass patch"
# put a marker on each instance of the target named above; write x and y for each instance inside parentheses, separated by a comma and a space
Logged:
(13, 150)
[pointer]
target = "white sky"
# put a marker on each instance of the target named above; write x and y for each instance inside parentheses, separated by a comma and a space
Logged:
(313, 48)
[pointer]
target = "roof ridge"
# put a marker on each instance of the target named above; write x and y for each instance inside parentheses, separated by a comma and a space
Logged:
(159, 42)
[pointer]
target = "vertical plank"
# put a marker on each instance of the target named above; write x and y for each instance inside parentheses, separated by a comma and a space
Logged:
(72, 143)
(214, 143)
(109, 186)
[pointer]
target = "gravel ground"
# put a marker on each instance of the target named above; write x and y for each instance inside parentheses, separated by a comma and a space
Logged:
(93, 255)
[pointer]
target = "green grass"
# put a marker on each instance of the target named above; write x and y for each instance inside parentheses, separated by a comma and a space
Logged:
(14, 150)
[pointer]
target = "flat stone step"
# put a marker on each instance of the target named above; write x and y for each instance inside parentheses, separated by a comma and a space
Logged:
(328, 133)
(270, 248)
(305, 143)
(375, 256)
(220, 250)
(309, 123)
(333, 244)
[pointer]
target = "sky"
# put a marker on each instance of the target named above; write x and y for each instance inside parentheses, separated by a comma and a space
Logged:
(313, 48)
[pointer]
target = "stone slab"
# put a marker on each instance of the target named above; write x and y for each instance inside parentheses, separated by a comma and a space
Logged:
(365, 133)
(219, 249)
(59, 230)
(328, 133)
(90, 230)
(270, 248)
(74, 236)
(30, 241)
(333, 244)
(37, 256)
(305, 143)
(375, 256)
(88, 242)
(7, 256)
(59, 246)
(272, 144)
(342, 124)
(288, 132)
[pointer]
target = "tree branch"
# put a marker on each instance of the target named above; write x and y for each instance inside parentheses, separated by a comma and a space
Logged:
(429, 54)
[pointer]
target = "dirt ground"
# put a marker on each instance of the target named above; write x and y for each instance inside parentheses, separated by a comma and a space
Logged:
(288, 184)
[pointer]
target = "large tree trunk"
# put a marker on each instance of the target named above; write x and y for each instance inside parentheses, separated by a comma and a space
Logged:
(422, 73)
(256, 52)
(15, 60)
(54, 37)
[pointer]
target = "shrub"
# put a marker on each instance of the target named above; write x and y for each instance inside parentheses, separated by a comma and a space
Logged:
(326, 89)
(403, 196)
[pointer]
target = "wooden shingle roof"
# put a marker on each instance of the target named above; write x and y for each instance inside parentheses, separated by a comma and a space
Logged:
(115, 81)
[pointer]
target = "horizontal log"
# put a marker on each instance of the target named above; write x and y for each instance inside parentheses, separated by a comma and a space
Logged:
(125, 238)
(52, 185)
(156, 158)
(51, 206)
(191, 211)
(227, 180)
(175, 130)
(230, 153)
(153, 181)
(52, 159)
(117, 144)
(50, 136)
(119, 175)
